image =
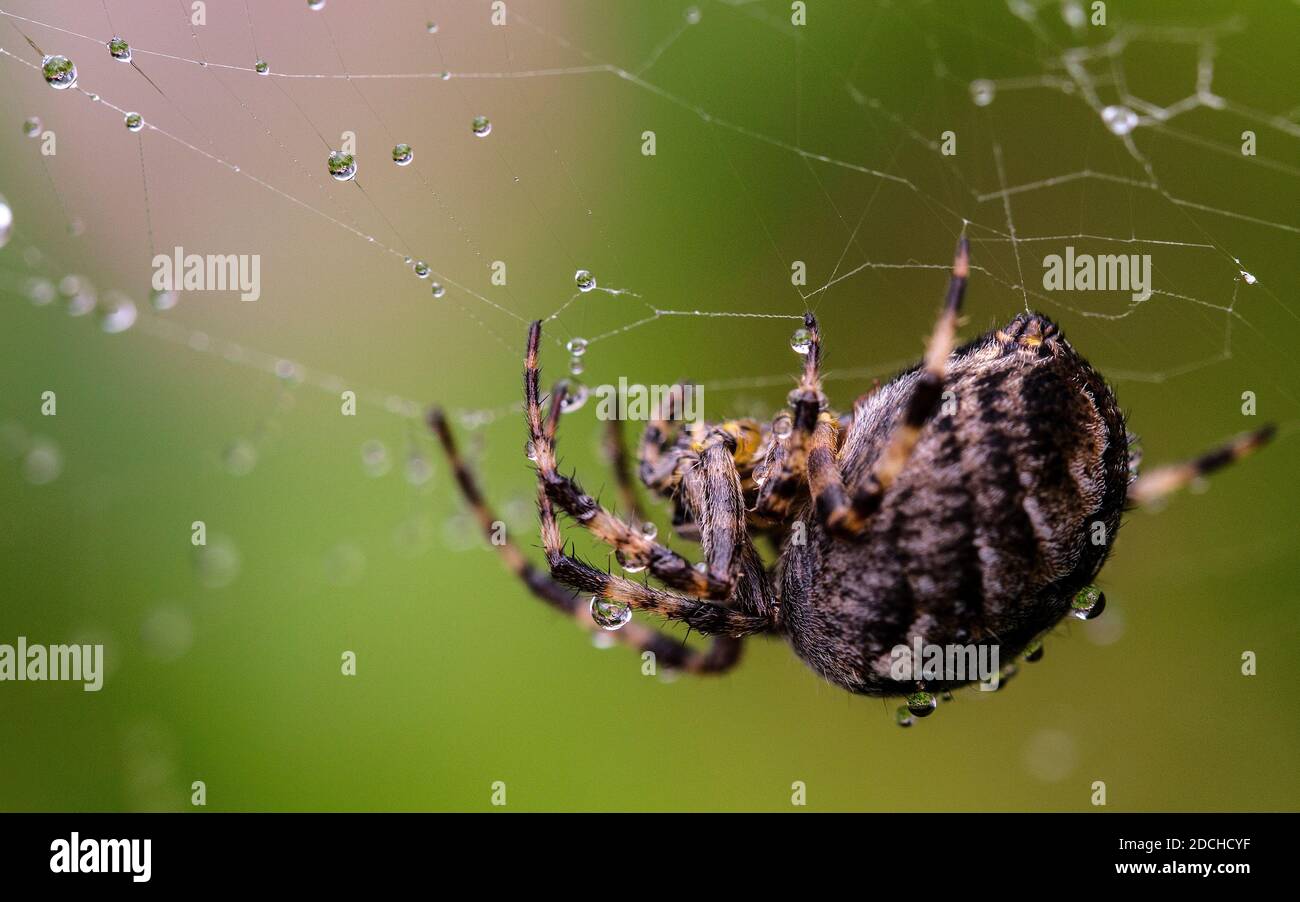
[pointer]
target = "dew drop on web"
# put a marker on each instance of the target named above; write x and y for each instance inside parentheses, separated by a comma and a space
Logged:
(801, 341)
(1120, 120)
(59, 72)
(982, 91)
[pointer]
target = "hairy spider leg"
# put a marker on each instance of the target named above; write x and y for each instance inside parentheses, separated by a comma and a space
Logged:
(850, 516)
(722, 654)
(1164, 481)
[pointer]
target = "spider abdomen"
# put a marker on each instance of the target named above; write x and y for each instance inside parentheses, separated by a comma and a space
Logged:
(1005, 510)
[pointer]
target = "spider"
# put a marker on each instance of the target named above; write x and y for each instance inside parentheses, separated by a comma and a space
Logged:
(970, 501)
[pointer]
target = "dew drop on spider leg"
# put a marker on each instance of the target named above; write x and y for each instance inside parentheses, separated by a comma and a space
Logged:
(649, 530)
(982, 91)
(530, 451)
(1088, 604)
(903, 717)
(921, 704)
(1120, 120)
(629, 563)
(782, 426)
(576, 346)
(60, 73)
(609, 614)
(584, 280)
(801, 341)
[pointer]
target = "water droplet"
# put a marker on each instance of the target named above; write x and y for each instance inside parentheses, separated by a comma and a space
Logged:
(315, 4)
(629, 564)
(481, 126)
(374, 458)
(345, 564)
(982, 91)
(1088, 604)
(167, 632)
(903, 717)
(649, 530)
(43, 461)
(119, 50)
(437, 289)
(288, 372)
(782, 426)
(584, 280)
(217, 563)
(419, 470)
(1119, 119)
(922, 704)
(692, 15)
(59, 72)
(946, 695)
(1034, 651)
(574, 397)
(262, 67)
(32, 126)
(610, 615)
(163, 300)
(239, 457)
(530, 451)
(421, 269)
(445, 76)
(576, 346)
(342, 166)
(432, 28)
(40, 291)
(402, 154)
(6, 221)
(117, 313)
(801, 341)
(576, 366)
(134, 122)
(1250, 279)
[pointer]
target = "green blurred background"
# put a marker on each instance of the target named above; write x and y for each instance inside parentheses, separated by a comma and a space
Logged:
(325, 535)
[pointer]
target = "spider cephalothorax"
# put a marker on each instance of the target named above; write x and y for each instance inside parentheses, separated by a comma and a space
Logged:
(968, 503)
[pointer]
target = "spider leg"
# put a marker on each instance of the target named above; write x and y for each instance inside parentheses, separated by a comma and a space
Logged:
(713, 492)
(719, 657)
(1163, 481)
(850, 516)
(565, 492)
(788, 465)
(619, 462)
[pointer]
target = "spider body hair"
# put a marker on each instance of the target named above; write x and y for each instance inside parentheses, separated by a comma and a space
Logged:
(1007, 508)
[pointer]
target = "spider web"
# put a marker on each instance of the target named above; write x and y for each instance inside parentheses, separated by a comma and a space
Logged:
(228, 159)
